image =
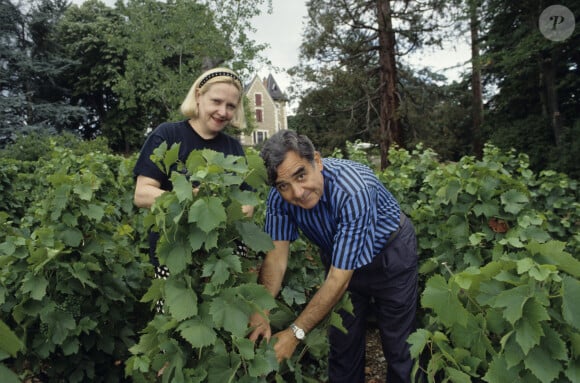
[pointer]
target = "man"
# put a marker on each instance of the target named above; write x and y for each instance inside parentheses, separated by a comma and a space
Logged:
(367, 245)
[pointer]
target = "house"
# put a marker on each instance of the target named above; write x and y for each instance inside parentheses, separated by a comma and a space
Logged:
(269, 105)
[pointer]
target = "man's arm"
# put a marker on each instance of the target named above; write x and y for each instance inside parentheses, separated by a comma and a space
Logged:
(325, 298)
(319, 306)
(271, 276)
(274, 267)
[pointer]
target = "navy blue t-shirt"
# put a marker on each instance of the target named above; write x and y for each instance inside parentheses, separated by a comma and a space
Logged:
(180, 132)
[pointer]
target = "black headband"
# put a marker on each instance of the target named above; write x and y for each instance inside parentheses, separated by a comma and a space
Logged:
(216, 74)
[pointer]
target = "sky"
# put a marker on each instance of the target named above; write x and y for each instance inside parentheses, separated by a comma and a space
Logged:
(282, 30)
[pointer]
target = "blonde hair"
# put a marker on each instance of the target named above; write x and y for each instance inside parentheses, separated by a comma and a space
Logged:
(204, 82)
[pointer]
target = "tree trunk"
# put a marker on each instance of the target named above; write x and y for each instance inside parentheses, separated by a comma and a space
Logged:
(477, 96)
(390, 127)
(551, 107)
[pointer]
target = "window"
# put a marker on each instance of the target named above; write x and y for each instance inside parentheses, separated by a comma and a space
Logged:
(260, 136)
(258, 97)
(259, 115)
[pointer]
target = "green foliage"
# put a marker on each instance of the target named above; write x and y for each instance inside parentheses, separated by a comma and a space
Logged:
(22, 180)
(461, 204)
(511, 318)
(71, 270)
(405, 176)
(212, 290)
(38, 145)
(17, 185)
(499, 268)
(354, 152)
(206, 334)
(436, 114)
(92, 33)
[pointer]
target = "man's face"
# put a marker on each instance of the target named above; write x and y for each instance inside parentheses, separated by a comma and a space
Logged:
(299, 181)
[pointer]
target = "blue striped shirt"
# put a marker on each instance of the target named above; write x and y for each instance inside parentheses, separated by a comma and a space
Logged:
(352, 221)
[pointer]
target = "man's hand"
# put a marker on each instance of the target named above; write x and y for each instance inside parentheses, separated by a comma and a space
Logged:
(261, 327)
(285, 345)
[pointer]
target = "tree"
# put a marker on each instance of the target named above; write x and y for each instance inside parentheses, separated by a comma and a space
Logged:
(12, 25)
(476, 83)
(366, 38)
(435, 114)
(90, 32)
(389, 123)
(234, 19)
(165, 44)
(535, 108)
(327, 114)
(33, 67)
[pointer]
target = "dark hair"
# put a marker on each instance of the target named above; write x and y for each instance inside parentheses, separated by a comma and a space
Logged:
(274, 150)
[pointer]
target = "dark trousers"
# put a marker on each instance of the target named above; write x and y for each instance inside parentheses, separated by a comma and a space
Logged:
(389, 284)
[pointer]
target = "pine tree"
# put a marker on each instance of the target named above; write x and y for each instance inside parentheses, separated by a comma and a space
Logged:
(33, 66)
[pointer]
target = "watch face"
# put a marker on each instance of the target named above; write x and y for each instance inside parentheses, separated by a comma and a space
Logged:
(299, 333)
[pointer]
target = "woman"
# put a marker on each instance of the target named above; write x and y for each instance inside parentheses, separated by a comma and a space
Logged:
(213, 102)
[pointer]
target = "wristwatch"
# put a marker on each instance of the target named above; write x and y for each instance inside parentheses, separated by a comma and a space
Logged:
(298, 332)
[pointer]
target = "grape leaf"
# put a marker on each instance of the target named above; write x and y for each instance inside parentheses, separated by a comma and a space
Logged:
(542, 365)
(254, 237)
(9, 342)
(418, 340)
(498, 372)
(209, 213)
(442, 299)
(570, 300)
(229, 313)
(181, 300)
(512, 301)
(197, 333)
(514, 201)
(182, 187)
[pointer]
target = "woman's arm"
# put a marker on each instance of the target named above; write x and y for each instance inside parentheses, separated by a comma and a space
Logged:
(146, 191)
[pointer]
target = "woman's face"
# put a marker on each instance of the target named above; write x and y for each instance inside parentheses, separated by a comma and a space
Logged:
(216, 107)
